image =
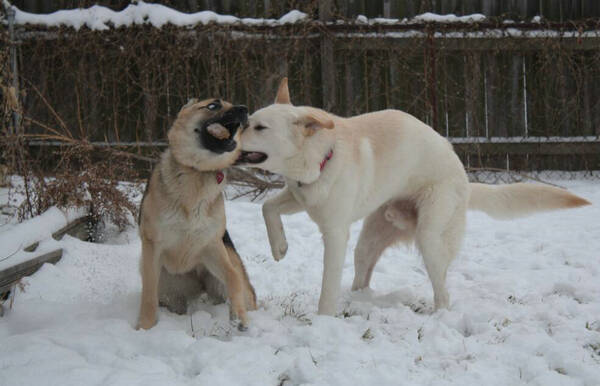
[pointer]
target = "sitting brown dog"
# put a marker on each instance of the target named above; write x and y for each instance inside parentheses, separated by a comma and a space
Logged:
(185, 246)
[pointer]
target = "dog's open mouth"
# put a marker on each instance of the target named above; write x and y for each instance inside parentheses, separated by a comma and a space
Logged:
(251, 157)
(217, 134)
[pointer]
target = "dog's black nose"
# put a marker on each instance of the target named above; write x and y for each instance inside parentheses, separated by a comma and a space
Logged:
(240, 109)
(241, 113)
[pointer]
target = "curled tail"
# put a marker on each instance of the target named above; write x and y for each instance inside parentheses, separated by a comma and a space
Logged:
(518, 200)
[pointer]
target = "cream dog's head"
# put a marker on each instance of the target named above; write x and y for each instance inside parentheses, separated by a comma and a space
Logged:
(286, 139)
(205, 135)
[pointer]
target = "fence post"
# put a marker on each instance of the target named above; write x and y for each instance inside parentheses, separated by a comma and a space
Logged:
(14, 69)
(327, 58)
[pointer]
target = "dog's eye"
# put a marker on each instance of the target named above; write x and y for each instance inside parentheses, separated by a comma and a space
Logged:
(260, 127)
(213, 106)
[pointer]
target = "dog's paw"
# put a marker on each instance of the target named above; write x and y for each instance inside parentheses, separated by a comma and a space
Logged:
(238, 317)
(279, 250)
(146, 323)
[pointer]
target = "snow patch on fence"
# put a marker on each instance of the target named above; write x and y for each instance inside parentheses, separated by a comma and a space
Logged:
(140, 13)
(427, 17)
(102, 18)
(495, 33)
(451, 18)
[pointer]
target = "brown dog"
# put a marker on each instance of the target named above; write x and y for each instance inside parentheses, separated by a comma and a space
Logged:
(185, 246)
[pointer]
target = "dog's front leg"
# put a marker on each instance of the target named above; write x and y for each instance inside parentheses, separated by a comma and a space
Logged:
(150, 270)
(283, 203)
(333, 262)
(217, 260)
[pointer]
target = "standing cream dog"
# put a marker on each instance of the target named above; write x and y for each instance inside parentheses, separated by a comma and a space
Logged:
(182, 218)
(386, 166)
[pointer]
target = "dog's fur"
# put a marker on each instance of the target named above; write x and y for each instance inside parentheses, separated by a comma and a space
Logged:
(185, 246)
(386, 166)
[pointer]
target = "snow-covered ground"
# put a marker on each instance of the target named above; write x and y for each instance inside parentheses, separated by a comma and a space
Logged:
(525, 309)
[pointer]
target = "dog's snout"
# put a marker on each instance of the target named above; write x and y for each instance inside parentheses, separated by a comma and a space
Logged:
(241, 113)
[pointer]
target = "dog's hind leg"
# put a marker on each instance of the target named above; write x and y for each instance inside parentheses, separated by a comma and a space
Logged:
(440, 229)
(390, 223)
(176, 290)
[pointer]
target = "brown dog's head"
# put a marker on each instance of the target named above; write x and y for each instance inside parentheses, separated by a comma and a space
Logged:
(205, 134)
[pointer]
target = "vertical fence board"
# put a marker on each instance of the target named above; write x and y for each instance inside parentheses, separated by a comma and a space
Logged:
(328, 71)
(516, 125)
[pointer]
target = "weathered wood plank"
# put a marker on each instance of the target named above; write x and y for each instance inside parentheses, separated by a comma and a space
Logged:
(11, 275)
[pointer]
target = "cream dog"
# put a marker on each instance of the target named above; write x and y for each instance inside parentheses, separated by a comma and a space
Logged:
(386, 166)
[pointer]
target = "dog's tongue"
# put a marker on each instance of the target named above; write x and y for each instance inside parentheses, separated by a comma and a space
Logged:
(253, 156)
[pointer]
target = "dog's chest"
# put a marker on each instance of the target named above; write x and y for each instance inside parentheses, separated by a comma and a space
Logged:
(187, 230)
(195, 221)
(308, 195)
(185, 238)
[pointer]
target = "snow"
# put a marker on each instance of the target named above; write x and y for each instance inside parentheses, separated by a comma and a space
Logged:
(362, 19)
(14, 238)
(102, 18)
(525, 309)
(140, 13)
(429, 17)
(485, 34)
(293, 16)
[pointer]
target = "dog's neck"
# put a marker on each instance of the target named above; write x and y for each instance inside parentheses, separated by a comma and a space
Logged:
(307, 166)
(189, 187)
(178, 178)
(182, 170)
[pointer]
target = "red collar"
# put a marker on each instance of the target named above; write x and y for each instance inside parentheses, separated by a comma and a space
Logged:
(323, 163)
(327, 158)
(220, 176)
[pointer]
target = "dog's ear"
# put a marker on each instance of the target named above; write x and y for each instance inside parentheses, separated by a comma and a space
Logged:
(283, 93)
(190, 102)
(315, 120)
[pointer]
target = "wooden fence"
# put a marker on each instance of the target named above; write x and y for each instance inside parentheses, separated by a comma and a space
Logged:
(522, 96)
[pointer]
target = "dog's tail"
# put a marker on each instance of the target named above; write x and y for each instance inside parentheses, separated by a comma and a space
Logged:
(504, 202)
